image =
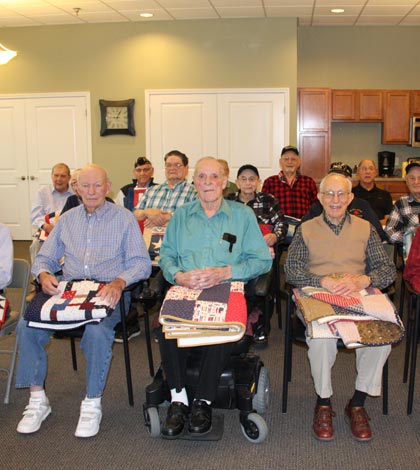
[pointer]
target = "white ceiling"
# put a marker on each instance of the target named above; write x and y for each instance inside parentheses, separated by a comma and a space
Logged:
(14, 13)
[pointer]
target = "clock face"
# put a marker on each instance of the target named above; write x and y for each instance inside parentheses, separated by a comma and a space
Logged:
(117, 117)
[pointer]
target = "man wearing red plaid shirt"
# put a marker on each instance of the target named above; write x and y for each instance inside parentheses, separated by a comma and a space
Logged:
(295, 192)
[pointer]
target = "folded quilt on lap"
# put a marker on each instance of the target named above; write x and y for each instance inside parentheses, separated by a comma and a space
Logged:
(366, 319)
(76, 304)
(203, 317)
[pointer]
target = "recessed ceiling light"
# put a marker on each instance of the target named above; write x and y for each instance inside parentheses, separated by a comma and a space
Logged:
(146, 15)
(337, 10)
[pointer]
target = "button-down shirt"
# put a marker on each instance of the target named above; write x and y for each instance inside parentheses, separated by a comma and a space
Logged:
(404, 216)
(103, 245)
(267, 209)
(167, 199)
(295, 199)
(6, 256)
(231, 237)
(378, 265)
(47, 201)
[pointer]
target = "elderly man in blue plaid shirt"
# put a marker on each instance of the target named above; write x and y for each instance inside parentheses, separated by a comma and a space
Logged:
(159, 202)
(101, 241)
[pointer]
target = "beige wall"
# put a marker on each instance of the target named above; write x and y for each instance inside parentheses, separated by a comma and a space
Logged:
(121, 60)
(360, 57)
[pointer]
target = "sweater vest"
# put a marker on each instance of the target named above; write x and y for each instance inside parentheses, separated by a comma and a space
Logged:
(336, 254)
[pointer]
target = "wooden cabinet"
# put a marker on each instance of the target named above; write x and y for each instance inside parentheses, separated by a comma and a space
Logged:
(357, 105)
(415, 103)
(314, 130)
(371, 105)
(396, 128)
(344, 105)
(315, 148)
(396, 186)
(314, 109)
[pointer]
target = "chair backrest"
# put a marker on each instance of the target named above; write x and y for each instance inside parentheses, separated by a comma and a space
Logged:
(20, 280)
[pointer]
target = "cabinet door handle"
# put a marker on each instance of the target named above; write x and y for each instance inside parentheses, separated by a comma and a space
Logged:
(32, 177)
(23, 178)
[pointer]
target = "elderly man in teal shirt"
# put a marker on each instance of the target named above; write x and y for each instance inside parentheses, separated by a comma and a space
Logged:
(207, 242)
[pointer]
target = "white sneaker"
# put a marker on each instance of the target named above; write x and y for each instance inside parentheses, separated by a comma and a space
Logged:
(89, 420)
(33, 416)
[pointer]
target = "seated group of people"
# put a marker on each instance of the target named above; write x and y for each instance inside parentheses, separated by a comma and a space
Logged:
(208, 240)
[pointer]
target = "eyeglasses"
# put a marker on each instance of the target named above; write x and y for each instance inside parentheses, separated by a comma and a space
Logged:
(144, 169)
(173, 165)
(413, 179)
(332, 194)
(251, 179)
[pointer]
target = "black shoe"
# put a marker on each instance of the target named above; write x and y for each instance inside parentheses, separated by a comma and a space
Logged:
(176, 417)
(260, 336)
(200, 418)
(132, 331)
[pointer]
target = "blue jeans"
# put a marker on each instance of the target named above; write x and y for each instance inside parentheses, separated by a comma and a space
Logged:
(96, 345)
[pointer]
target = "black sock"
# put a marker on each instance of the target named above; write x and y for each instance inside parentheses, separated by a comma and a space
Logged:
(323, 401)
(358, 399)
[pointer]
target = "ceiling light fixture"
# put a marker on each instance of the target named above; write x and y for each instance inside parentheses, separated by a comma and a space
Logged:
(6, 54)
(337, 10)
(146, 15)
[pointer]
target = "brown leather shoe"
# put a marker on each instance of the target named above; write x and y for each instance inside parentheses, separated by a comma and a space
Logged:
(322, 426)
(358, 419)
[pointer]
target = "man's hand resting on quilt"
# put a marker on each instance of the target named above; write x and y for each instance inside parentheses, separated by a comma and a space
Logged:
(347, 284)
(203, 278)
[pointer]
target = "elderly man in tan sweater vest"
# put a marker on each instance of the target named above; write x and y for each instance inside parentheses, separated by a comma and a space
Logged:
(343, 254)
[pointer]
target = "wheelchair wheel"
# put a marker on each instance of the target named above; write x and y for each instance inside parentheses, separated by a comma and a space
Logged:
(152, 420)
(254, 428)
(260, 400)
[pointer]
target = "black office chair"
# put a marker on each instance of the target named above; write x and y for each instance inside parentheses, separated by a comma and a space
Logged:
(295, 331)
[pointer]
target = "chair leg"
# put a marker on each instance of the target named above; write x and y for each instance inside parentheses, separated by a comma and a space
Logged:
(408, 340)
(385, 389)
(73, 353)
(413, 357)
(11, 372)
(126, 352)
(148, 341)
(402, 299)
(287, 364)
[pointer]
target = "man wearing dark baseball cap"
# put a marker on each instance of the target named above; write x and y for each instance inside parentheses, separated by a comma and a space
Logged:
(404, 218)
(295, 192)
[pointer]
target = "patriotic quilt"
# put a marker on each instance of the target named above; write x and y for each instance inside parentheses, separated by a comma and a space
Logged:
(52, 219)
(77, 303)
(153, 238)
(366, 319)
(4, 309)
(202, 317)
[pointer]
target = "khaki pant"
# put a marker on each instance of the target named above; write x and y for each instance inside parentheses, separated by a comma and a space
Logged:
(369, 364)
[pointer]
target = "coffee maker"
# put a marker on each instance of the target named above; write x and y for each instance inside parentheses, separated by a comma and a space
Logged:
(386, 163)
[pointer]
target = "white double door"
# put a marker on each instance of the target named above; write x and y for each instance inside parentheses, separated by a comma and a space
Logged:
(36, 132)
(238, 125)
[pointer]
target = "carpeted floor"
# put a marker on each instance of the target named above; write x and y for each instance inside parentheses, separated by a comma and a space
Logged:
(124, 442)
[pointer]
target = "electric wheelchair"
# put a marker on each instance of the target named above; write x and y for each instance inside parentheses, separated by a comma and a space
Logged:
(244, 383)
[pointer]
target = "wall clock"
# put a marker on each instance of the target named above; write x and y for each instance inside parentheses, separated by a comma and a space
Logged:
(117, 117)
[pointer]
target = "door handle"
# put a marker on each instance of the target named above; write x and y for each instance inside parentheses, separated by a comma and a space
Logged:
(32, 177)
(23, 178)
